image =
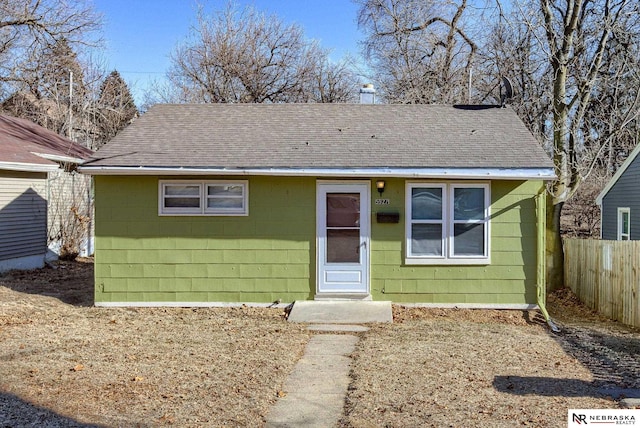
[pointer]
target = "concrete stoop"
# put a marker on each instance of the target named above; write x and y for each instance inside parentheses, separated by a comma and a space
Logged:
(340, 312)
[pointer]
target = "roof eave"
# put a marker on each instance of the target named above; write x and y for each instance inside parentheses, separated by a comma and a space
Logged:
(28, 167)
(538, 173)
(59, 158)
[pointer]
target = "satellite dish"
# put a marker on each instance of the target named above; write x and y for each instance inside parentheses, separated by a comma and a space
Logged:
(506, 91)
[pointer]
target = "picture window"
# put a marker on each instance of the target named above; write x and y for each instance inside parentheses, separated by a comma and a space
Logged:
(447, 223)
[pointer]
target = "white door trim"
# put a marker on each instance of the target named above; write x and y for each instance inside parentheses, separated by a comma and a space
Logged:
(361, 289)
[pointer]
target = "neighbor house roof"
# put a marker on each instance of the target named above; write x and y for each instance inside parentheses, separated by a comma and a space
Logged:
(627, 163)
(26, 146)
(323, 139)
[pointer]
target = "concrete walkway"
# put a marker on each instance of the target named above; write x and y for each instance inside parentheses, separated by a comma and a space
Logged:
(317, 387)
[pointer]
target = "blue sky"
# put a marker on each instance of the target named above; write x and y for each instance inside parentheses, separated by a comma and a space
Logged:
(140, 34)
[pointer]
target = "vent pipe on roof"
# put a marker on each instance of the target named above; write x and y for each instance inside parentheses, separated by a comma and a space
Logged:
(367, 94)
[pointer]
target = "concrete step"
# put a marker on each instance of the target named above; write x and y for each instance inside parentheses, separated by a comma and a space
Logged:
(337, 328)
(340, 312)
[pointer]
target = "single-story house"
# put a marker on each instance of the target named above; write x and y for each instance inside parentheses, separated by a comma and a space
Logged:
(619, 202)
(219, 204)
(29, 156)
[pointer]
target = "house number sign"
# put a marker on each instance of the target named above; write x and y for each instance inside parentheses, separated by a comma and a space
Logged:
(382, 201)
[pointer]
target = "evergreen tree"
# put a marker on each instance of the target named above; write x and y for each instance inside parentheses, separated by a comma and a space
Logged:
(116, 107)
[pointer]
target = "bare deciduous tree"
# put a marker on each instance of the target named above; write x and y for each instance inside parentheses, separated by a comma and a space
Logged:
(53, 85)
(29, 27)
(330, 82)
(419, 49)
(574, 64)
(244, 56)
(580, 46)
(511, 50)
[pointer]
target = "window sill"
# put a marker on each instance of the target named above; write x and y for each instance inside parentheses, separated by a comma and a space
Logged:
(199, 214)
(484, 261)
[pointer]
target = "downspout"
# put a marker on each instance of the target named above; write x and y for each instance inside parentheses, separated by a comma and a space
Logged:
(541, 268)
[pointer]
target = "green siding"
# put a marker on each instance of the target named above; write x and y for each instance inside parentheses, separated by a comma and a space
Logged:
(270, 254)
(144, 257)
(509, 279)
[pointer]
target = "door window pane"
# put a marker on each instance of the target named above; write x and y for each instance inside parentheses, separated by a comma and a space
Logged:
(426, 203)
(343, 210)
(343, 246)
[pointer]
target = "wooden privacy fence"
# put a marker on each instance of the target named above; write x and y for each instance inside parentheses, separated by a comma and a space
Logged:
(605, 275)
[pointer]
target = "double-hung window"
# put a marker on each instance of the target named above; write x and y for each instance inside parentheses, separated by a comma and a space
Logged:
(190, 197)
(624, 225)
(447, 223)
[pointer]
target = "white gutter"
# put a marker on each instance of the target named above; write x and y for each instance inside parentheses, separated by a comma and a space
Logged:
(28, 167)
(59, 158)
(449, 173)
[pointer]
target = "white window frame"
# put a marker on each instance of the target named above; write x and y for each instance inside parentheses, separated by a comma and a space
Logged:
(202, 209)
(448, 222)
(624, 235)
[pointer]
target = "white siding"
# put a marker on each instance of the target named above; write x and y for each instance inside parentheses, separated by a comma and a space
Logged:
(23, 214)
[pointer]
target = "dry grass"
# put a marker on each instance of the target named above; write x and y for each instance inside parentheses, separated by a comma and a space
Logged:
(441, 373)
(65, 363)
(480, 368)
(127, 367)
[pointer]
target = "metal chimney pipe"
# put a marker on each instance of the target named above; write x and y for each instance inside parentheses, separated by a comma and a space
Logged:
(367, 94)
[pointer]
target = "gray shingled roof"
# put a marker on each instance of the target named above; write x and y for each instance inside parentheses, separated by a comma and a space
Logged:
(324, 136)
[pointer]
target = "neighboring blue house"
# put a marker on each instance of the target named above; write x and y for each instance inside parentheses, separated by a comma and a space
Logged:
(619, 202)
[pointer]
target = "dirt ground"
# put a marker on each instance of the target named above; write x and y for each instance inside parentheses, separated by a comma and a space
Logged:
(66, 363)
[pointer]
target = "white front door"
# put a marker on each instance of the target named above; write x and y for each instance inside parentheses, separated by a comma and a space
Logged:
(343, 225)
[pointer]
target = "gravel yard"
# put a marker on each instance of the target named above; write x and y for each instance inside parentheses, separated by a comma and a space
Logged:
(66, 363)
